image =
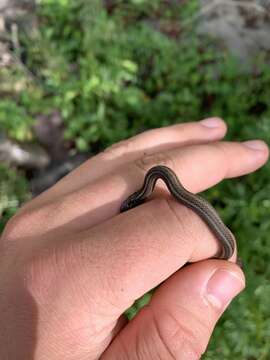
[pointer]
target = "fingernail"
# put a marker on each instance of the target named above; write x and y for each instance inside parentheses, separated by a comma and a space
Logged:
(222, 287)
(212, 122)
(255, 144)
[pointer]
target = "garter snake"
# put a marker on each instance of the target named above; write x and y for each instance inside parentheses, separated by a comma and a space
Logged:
(195, 202)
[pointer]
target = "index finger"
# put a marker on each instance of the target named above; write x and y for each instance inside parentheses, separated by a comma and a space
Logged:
(198, 167)
(148, 142)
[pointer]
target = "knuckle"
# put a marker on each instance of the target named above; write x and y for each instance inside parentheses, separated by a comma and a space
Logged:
(223, 157)
(119, 149)
(147, 161)
(15, 226)
(44, 271)
(25, 223)
(35, 221)
(39, 270)
(32, 275)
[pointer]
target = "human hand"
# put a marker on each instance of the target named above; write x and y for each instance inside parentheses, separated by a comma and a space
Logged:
(71, 264)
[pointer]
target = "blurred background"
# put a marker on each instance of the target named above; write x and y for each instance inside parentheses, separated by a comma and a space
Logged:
(78, 75)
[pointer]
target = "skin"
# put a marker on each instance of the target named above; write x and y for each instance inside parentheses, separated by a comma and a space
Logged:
(71, 264)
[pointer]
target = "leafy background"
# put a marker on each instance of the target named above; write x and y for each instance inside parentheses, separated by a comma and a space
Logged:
(116, 68)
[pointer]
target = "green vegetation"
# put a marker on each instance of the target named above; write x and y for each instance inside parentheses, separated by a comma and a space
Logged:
(13, 191)
(114, 72)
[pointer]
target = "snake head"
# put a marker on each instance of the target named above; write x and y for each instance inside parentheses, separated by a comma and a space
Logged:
(131, 202)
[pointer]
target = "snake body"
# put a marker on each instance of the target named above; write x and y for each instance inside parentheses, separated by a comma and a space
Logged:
(195, 202)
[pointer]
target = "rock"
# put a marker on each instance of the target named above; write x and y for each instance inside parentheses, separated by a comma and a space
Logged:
(30, 156)
(21, 12)
(242, 26)
(15, 8)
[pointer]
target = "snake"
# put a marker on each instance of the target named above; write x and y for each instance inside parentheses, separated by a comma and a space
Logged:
(193, 201)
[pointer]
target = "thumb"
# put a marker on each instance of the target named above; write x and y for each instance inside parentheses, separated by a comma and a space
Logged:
(178, 322)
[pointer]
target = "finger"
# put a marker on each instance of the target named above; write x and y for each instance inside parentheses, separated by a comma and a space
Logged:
(178, 322)
(198, 167)
(148, 142)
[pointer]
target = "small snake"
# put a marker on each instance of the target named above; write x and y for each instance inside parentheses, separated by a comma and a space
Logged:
(194, 202)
